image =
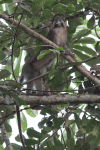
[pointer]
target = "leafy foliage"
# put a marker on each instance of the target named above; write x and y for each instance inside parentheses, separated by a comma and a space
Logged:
(78, 125)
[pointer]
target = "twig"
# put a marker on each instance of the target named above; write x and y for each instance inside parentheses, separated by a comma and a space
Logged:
(13, 47)
(63, 138)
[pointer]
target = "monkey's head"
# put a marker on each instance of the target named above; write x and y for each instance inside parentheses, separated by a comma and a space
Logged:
(57, 21)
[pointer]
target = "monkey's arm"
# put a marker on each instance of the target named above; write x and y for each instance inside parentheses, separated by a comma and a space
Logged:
(38, 64)
(34, 57)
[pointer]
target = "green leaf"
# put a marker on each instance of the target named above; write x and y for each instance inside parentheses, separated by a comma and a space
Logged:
(48, 3)
(30, 112)
(17, 66)
(86, 49)
(90, 23)
(47, 13)
(70, 143)
(81, 33)
(49, 146)
(69, 122)
(83, 57)
(16, 146)
(31, 142)
(86, 40)
(1, 140)
(46, 130)
(1, 147)
(58, 122)
(90, 138)
(17, 138)
(84, 121)
(23, 122)
(73, 23)
(97, 1)
(48, 110)
(18, 101)
(5, 1)
(2, 55)
(57, 50)
(78, 145)
(96, 5)
(33, 133)
(38, 5)
(99, 22)
(17, 52)
(44, 52)
(86, 146)
(4, 74)
(36, 21)
(97, 47)
(8, 127)
(11, 83)
(77, 120)
(59, 8)
(58, 143)
(42, 122)
(95, 131)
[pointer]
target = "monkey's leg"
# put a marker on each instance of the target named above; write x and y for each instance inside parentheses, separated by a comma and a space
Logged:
(38, 84)
(29, 87)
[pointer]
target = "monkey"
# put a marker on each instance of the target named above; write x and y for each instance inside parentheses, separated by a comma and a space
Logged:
(31, 69)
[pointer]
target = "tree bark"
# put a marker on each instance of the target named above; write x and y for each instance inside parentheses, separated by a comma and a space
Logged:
(55, 99)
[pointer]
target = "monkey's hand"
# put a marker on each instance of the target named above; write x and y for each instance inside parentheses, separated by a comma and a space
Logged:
(67, 51)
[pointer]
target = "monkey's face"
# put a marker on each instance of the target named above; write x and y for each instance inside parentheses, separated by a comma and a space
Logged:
(57, 21)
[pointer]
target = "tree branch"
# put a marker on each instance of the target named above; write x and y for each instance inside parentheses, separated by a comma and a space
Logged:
(56, 99)
(4, 135)
(82, 70)
(27, 30)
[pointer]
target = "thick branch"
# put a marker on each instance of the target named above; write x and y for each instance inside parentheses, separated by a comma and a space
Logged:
(27, 30)
(57, 99)
(82, 70)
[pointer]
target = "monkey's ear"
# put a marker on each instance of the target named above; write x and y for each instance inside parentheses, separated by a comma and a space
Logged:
(53, 25)
(64, 24)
